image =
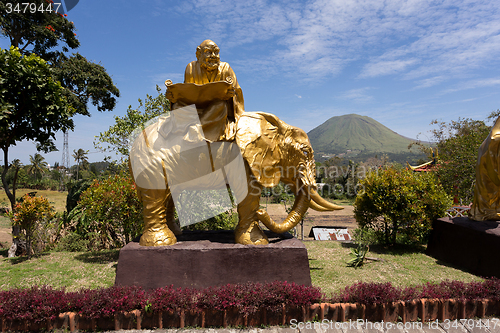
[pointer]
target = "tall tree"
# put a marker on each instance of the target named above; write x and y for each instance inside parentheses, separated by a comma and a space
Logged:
(37, 106)
(35, 110)
(16, 165)
(116, 138)
(37, 166)
(34, 103)
(458, 143)
(79, 155)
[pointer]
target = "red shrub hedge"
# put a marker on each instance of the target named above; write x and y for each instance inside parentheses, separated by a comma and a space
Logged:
(36, 303)
(39, 303)
(370, 293)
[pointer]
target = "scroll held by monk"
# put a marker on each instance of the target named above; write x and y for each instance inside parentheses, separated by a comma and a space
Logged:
(199, 94)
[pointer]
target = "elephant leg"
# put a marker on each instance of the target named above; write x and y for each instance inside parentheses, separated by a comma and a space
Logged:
(248, 230)
(172, 225)
(156, 231)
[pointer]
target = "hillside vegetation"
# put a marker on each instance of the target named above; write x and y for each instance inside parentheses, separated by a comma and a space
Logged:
(357, 133)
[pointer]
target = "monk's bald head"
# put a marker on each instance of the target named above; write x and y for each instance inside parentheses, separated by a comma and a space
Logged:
(207, 54)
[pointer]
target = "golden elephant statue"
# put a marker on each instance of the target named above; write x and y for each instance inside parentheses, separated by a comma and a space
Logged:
(265, 151)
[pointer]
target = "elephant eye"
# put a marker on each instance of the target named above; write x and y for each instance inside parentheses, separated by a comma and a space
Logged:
(306, 151)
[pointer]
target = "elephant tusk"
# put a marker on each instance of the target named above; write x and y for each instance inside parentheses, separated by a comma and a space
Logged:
(317, 207)
(321, 203)
(298, 210)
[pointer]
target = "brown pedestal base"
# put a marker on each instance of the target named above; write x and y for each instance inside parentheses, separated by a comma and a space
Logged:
(204, 259)
(469, 244)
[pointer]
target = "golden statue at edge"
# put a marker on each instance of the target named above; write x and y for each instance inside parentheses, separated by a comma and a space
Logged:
(486, 204)
(273, 151)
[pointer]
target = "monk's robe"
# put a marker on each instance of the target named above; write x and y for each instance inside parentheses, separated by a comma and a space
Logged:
(486, 204)
(218, 118)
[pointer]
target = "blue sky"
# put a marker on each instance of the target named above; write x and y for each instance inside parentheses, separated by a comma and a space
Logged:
(403, 63)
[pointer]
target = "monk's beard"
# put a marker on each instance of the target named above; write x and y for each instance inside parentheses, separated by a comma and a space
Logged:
(209, 65)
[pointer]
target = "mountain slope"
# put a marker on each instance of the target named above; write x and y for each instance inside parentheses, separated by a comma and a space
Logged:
(356, 132)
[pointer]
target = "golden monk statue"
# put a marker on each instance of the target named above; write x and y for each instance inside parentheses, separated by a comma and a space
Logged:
(208, 142)
(486, 204)
(218, 117)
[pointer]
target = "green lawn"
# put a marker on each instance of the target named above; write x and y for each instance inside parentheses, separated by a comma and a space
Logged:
(56, 198)
(71, 270)
(327, 260)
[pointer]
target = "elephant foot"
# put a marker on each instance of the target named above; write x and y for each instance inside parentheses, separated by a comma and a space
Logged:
(162, 236)
(251, 235)
(174, 227)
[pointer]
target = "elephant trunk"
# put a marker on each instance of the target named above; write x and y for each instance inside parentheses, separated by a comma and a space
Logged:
(298, 210)
(320, 204)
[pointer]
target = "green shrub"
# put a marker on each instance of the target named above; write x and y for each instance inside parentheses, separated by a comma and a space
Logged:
(33, 216)
(400, 205)
(224, 221)
(110, 208)
(75, 190)
(74, 242)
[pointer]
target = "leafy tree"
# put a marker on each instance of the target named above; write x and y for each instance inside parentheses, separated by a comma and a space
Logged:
(116, 138)
(37, 166)
(458, 143)
(79, 155)
(49, 35)
(38, 107)
(39, 31)
(400, 205)
(86, 83)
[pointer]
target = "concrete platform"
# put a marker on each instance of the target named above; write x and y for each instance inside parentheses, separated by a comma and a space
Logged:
(211, 258)
(472, 245)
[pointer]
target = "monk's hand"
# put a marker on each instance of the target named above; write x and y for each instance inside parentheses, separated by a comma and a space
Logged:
(169, 95)
(230, 93)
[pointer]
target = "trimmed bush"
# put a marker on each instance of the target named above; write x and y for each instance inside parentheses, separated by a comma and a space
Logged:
(36, 304)
(39, 303)
(32, 215)
(369, 293)
(400, 205)
(110, 208)
(105, 302)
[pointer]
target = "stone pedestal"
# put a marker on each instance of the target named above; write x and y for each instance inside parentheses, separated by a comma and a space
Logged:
(204, 259)
(468, 244)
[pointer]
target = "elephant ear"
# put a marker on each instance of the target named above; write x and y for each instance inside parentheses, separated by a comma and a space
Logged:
(259, 137)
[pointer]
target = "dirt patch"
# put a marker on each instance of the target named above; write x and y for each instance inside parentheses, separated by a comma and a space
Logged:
(5, 237)
(5, 232)
(337, 218)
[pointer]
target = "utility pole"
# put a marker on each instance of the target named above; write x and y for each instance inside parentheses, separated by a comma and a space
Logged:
(65, 161)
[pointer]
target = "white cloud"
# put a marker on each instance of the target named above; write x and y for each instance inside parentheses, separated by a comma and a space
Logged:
(416, 40)
(160, 78)
(386, 67)
(430, 82)
(358, 95)
(473, 84)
